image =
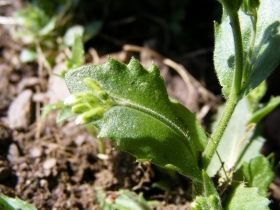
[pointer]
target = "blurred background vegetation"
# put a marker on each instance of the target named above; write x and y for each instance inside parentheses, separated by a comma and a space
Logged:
(181, 29)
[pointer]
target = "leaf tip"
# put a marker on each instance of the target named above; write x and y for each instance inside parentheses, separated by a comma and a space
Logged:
(135, 66)
(153, 68)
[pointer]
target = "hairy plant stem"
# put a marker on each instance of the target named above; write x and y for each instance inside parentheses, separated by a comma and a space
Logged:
(238, 45)
(218, 133)
(234, 95)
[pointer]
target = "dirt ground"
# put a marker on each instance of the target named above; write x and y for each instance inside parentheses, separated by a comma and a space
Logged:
(58, 166)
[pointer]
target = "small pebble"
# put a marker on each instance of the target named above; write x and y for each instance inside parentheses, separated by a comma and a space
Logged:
(35, 152)
(49, 163)
(19, 110)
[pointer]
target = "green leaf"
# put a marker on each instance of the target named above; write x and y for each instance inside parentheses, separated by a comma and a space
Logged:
(122, 200)
(261, 49)
(144, 121)
(243, 198)
(256, 95)
(76, 59)
(129, 200)
(200, 203)
(48, 28)
(7, 203)
(209, 187)
(33, 18)
(244, 135)
(256, 173)
(266, 53)
(269, 107)
(224, 52)
(64, 114)
(240, 142)
(51, 107)
(252, 148)
(149, 139)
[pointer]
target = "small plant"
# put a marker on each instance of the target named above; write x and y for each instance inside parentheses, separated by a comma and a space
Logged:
(130, 105)
(48, 27)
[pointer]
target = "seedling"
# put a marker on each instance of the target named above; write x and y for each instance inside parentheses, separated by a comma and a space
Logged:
(142, 120)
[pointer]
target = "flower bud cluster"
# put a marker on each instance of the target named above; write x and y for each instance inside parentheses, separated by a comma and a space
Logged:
(89, 105)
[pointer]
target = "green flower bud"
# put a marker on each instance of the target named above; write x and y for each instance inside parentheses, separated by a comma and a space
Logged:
(90, 116)
(91, 104)
(102, 95)
(80, 108)
(98, 91)
(90, 98)
(199, 203)
(72, 100)
(214, 202)
(92, 84)
(194, 206)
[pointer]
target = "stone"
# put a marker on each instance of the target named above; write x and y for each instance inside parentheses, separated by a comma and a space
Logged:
(19, 112)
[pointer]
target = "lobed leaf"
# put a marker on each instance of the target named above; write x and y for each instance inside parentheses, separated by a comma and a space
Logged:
(144, 121)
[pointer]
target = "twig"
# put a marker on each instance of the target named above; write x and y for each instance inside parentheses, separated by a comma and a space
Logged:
(42, 61)
(38, 117)
(94, 55)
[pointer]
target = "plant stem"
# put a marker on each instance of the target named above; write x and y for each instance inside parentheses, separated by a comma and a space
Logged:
(234, 95)
(238, 45)
(219, 131)
(101, 146)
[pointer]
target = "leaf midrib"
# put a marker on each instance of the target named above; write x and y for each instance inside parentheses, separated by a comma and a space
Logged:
(159, 117)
